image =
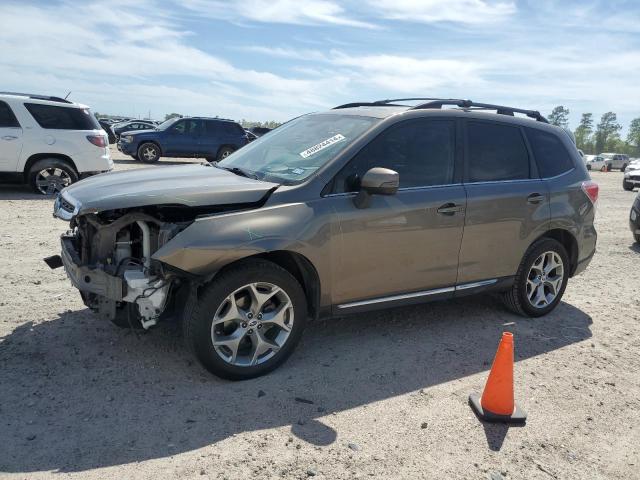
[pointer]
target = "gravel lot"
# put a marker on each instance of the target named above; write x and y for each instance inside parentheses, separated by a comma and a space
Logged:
(384, 395)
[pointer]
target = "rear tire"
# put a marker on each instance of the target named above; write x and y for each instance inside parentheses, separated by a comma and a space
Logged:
(519, 298)
(149, 152)
(224, 152)
(628, 186)
(245, 318)
(624, 167)
(50, 175)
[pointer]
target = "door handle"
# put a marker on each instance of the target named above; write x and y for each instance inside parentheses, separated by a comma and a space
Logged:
(449, 209)
(9, 137)
(535, 198)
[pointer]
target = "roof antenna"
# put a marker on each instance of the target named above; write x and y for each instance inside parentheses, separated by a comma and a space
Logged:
(68, 95)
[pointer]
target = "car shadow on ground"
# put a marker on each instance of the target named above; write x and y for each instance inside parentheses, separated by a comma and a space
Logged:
(79, 394)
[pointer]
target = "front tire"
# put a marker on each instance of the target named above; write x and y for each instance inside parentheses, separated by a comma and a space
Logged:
(624, 167)
(149, 152)
(247, 321)
(541, 279)
(50, 175)
(628, 186)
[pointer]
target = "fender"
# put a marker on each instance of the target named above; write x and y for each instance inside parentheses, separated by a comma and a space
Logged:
(212, 242)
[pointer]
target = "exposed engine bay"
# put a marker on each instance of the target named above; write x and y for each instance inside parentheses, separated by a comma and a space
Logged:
(108, 257)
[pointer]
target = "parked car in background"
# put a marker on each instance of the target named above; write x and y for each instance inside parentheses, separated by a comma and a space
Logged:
(615, 160)
(49, 142)
(631, 177)
(634, 219)
(210, 138)
(259, 131)
(362, 207)
(250, 135)
(106, 126)
(132, 126)
(595, 162)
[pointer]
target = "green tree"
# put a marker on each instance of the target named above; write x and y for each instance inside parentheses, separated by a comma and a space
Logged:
(633, 137)
(559, 116)
(583, 133)
(172, 115)
(607, 132)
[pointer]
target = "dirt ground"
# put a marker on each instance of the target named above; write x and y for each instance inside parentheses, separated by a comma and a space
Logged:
(386, 393)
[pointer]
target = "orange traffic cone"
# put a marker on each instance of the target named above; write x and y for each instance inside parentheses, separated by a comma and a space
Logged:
(496, 404)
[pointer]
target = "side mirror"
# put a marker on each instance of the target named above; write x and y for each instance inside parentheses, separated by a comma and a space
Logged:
(377, 181)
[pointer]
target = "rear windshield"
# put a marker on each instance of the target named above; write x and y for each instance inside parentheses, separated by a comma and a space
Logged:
(63, 118)
(294, 151)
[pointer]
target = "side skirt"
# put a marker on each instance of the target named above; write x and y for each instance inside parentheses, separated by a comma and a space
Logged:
(424, 296)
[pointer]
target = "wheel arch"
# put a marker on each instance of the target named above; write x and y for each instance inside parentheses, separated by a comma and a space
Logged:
(568, 241)
(155, 142)
(31, 161)
(299, 266)
(226, 145)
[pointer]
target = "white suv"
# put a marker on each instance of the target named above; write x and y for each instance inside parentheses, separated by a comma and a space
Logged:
(49, 142)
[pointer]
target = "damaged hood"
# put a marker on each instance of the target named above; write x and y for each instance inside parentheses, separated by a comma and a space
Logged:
(189, 185)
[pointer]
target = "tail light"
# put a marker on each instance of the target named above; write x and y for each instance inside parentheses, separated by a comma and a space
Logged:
(591, 189)
(98, 140)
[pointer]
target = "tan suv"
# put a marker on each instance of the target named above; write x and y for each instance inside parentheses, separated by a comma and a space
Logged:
(366, 206)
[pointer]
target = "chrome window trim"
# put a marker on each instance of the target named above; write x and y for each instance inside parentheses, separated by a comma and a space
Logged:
(423, 293)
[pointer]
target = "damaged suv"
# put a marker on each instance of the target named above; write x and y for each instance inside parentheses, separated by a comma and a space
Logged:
(366, 206)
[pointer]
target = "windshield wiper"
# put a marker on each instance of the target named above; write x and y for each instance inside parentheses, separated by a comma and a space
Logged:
(239, 171)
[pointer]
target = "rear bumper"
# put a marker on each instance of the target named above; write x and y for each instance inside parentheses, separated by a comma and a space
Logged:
(86, 279)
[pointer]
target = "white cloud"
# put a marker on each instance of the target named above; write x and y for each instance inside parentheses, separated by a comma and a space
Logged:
(142, 59)
(431, 11)
(298, 12)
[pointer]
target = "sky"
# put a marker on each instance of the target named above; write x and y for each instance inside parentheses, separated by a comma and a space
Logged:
(276, 59)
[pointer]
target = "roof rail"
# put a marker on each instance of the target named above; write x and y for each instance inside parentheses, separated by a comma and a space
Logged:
(440, 102)
(471, 105)
(38, 97)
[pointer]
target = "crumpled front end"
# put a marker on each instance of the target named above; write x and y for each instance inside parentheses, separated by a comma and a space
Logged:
(107, 256)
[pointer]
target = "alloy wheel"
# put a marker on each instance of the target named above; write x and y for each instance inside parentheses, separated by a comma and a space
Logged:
(51, 180)
(252, 324)
(149, 153)
(544, 280)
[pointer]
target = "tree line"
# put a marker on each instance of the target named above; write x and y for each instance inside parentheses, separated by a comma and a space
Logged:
(603, 137)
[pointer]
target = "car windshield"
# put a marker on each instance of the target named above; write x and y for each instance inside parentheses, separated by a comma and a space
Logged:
(294, 151)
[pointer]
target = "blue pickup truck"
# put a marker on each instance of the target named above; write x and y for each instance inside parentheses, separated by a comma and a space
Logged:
(202, 137)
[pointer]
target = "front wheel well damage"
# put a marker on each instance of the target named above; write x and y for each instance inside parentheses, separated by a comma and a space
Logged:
(297, 265)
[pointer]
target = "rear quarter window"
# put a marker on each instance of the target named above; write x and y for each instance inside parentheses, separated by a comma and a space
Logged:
(7, 118)
(550, 154)
(55, 117)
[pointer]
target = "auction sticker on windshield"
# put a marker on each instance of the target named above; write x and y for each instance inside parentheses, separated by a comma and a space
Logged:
(322, 145)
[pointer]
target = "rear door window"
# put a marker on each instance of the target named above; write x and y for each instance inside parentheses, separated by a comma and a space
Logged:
(62, 118)
(550, 154)
(495, 152)
(421, 151)
(7, 117)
